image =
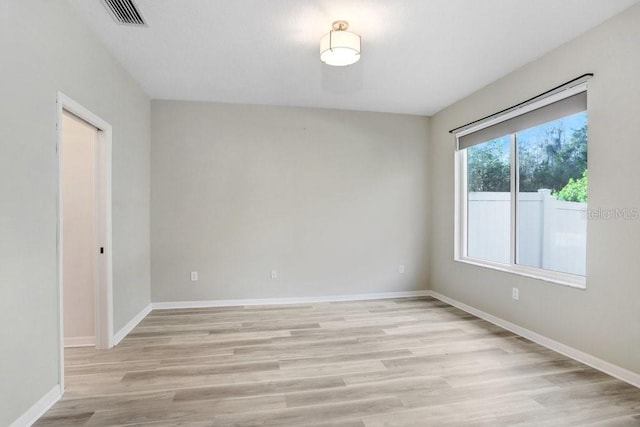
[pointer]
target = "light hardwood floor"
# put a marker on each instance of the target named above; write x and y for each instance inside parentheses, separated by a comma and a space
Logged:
(396, 362)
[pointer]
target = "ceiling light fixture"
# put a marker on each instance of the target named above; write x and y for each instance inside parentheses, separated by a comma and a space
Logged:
(339, 47)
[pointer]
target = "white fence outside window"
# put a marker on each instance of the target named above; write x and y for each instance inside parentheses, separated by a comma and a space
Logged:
(552, 233)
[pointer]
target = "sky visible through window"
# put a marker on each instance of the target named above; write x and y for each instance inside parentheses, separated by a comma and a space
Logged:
(551, 169)
(549, 156)
(568, 124)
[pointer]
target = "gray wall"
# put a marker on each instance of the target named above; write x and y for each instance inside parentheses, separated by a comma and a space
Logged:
(333, 200)
(604, 320)
(45, 49)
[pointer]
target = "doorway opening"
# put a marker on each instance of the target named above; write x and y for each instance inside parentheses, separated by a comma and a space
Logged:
(84, 229)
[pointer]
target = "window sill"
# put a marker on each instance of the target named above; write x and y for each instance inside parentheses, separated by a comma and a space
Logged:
(563, 279)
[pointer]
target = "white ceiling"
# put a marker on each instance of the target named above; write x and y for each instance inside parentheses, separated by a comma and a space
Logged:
(418, 56)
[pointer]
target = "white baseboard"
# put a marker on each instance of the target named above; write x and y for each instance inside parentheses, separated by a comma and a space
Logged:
(79, 341)
(49, 399)
(39, 408)
(582, 357)
(281, 301)
(131, 324)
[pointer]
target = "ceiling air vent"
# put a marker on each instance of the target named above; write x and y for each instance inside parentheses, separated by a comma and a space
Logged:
(125, 12)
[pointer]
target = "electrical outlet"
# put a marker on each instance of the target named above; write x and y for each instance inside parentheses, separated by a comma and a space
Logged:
(401, 268)
(194, 276)
(515, 294)
(274, 274)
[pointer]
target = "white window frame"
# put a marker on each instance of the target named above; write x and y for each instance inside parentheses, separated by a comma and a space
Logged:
(461, 232)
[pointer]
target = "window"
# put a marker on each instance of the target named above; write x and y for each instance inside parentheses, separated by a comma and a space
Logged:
(522, 185)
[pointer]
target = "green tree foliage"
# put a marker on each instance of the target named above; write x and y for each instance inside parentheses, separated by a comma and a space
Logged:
(575, 190)
(547, 159)
(550, 162)
(488, 167)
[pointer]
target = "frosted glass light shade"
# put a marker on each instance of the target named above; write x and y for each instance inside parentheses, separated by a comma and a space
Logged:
(340, 48)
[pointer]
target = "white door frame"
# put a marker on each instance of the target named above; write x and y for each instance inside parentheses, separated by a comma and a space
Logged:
(103, 262)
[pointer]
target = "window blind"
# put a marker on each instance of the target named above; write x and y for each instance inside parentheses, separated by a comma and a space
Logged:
(547, 113)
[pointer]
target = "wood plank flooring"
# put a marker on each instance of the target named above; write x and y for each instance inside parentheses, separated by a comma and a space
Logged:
(396, 362)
